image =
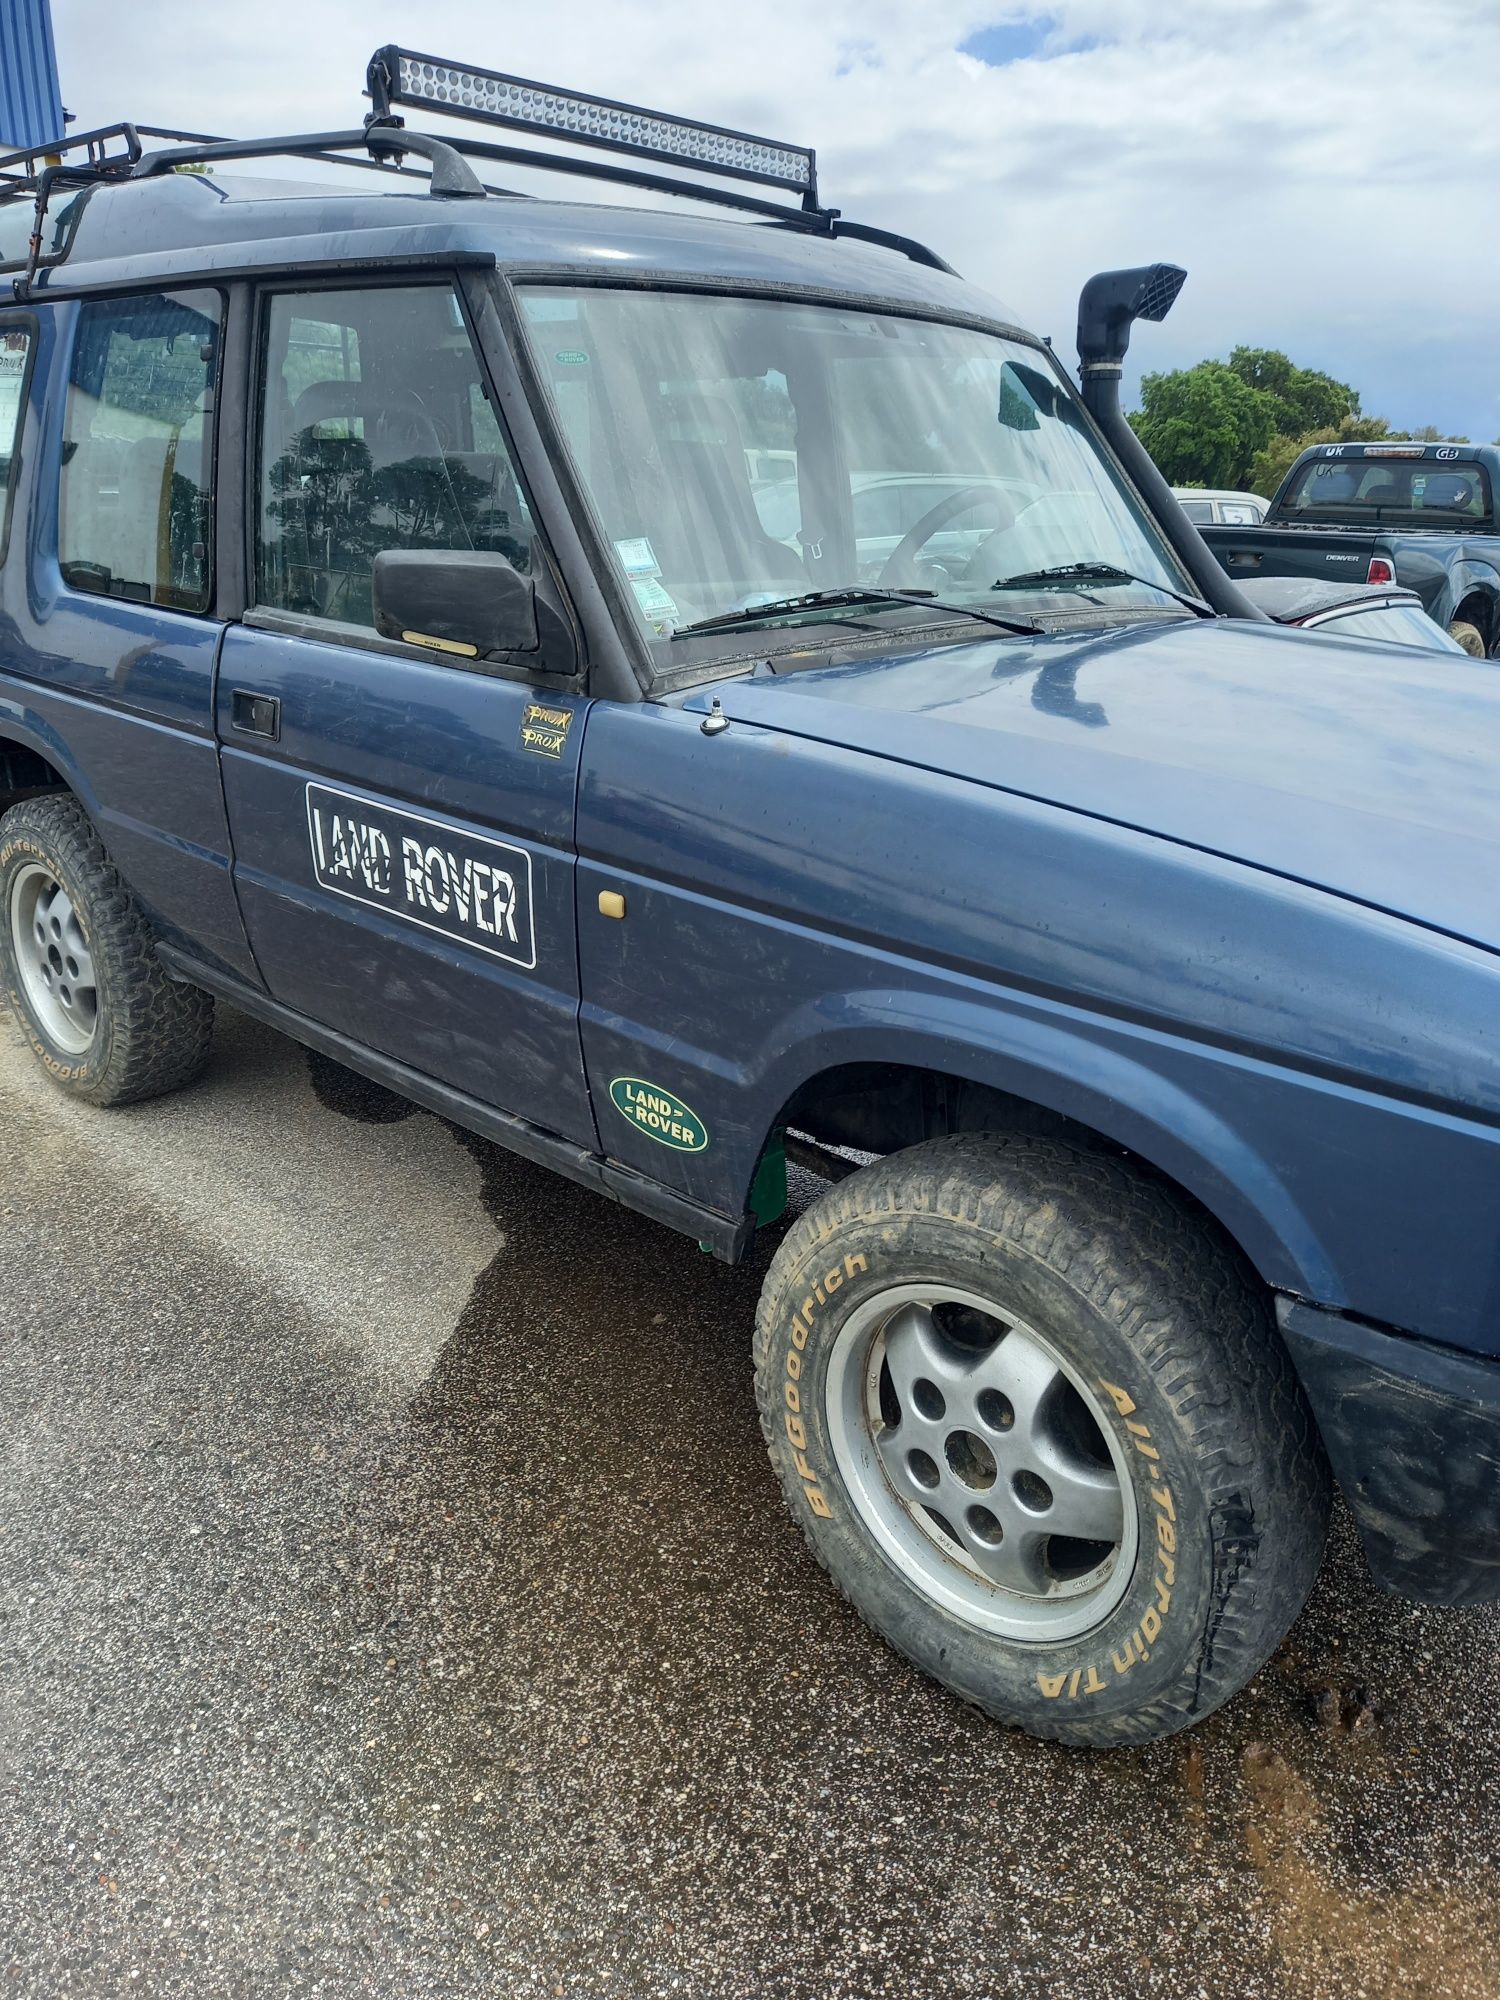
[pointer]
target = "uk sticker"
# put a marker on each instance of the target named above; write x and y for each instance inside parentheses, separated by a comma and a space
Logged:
(442, 878)
(544, 731)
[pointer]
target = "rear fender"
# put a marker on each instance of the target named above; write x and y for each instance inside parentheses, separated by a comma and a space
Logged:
(22, 725)
(1469, 579)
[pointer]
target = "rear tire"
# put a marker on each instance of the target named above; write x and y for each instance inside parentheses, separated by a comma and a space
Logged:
(1024, 1340)
(1469, 637)
(79, 964)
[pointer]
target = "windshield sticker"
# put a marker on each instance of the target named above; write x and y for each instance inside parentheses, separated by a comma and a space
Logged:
(637, 557)
(658, 604)
(571, 357)
(544, 731)
(659, 1114)
(443, 878)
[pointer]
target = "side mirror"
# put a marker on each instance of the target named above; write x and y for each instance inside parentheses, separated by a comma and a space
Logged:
(1111, 302)
(472, 602)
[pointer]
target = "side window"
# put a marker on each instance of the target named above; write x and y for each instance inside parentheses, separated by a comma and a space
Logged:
(136, 506)
(375, 433)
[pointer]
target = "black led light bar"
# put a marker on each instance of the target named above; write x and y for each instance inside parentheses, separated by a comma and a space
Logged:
(400, 76)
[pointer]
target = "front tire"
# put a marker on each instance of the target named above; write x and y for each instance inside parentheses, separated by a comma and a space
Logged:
(79, 964)
(1034, 1417)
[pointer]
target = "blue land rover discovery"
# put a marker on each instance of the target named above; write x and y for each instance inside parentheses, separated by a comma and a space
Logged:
(675, 691)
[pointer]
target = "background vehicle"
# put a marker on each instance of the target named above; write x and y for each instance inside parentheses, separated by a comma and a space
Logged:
(1208, 507)
(1350, 611)
(1418, 515)
(394, 644)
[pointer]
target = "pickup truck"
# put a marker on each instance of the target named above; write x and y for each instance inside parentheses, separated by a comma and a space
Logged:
(1419, 515)
(458, 631)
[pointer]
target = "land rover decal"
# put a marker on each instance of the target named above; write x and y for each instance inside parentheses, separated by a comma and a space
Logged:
(462, 885)
(659, 1114)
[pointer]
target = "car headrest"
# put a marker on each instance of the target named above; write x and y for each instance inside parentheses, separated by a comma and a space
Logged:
(320, 402)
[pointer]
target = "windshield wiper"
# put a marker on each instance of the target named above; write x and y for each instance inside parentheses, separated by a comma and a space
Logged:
(752, 614)
(1100, 572)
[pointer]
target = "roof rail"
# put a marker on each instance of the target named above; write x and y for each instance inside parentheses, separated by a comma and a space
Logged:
(451, 173)
(823, 222)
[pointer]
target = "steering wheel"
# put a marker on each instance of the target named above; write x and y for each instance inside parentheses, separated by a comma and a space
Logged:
(898, 565)
(403, 424)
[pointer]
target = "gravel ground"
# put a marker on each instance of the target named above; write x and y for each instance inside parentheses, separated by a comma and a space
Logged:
(394, 1600)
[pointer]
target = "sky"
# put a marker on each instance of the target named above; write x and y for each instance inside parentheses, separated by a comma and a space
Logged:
(1325, 171)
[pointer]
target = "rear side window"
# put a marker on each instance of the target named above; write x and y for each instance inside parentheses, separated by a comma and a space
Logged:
(135, 511)
(15, 349)
(375, 433)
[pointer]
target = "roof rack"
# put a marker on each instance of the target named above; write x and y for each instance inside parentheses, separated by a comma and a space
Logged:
(79, 160)
(396, 75)
(21, 170)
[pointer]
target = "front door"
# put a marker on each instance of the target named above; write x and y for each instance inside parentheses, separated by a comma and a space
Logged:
(402, 823)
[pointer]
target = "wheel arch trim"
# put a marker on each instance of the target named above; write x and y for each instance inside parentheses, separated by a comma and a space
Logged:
(24, 728)
(1070, 1068)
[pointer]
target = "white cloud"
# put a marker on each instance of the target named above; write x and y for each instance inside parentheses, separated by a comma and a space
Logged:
(1321, 169)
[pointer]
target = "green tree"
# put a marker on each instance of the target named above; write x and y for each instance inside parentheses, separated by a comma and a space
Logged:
(1204, 425)
(1306, 398)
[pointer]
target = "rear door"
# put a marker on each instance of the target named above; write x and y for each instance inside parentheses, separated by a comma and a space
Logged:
(402, 820)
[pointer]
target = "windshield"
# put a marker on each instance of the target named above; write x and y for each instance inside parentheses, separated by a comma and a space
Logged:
(740, 452)
(1379, 489)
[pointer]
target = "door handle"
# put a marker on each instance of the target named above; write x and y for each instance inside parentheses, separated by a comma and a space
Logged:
(255, 714)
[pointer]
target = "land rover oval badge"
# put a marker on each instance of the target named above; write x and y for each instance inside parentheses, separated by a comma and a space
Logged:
(659, 1114)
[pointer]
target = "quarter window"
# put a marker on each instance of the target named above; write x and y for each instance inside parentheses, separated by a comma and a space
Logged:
(135, 514)
(376, 433)
(15, 347)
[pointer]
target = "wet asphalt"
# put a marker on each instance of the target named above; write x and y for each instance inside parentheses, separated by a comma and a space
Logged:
(395, 1600)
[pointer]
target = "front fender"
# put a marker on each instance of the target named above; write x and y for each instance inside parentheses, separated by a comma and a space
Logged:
(1322, 1076)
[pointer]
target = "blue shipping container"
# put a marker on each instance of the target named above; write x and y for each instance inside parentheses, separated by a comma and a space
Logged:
(30, 103)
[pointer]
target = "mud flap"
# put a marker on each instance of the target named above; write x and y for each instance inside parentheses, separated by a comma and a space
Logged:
(1413, 1434)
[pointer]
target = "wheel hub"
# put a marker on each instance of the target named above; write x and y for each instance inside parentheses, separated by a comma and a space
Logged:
(53, 959)
(982, 1462)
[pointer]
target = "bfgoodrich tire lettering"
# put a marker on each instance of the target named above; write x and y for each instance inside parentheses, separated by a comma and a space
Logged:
(1159, 1318)
(146, 1033)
